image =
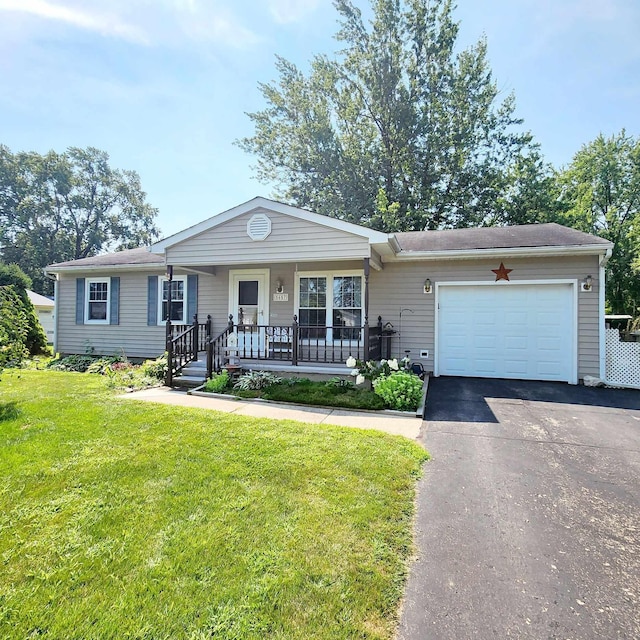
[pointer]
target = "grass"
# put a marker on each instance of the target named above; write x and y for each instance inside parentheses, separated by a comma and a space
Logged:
(317, 393)
(122, 519)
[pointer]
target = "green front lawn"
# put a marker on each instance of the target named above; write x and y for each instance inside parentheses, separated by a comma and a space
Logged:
(121, 519)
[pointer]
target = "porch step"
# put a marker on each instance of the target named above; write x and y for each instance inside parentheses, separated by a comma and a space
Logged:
(195, 369)
(189, 382)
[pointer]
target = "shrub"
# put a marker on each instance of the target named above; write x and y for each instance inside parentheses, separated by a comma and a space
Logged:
(35, 339)
(373, 369)
(14, 327)
(218, 382)
(400, 390)
(72, 363)
(156, 368)
(255, 380)
(100, 365)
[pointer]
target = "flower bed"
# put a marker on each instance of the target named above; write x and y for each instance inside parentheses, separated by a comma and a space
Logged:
(394, 387)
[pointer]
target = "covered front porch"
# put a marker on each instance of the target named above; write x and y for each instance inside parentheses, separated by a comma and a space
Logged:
(295, 348)
(252, 339)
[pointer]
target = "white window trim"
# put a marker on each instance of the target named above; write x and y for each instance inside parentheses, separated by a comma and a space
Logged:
(161, 281)
(330, 275)
(87, 287)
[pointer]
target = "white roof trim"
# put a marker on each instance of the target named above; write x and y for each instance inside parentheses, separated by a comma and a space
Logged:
(277, 207)
(524, 252)
(152, 266)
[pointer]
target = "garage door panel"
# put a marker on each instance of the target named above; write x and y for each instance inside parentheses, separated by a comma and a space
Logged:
(514, 331)
(486, 366)
(486, 342)
(513, 367)
(516, 342)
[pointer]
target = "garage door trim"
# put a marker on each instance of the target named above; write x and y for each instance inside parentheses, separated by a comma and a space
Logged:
(574, 329)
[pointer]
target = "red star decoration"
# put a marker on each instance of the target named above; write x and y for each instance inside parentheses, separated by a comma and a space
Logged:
(502, 273)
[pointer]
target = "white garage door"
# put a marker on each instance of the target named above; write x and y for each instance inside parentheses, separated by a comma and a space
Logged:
(524, 332)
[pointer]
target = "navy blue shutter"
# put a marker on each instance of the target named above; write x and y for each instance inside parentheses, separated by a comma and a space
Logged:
(192, 298)
(114, 302)
(152, 300)
(79, 300)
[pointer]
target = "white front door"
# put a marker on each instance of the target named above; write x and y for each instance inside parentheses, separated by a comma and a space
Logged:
(521, 331)
(249, 306)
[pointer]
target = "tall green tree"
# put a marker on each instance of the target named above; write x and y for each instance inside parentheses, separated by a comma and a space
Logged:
(600, 194)
(400, 131)
(16, 282)
(14, 326)
(64, 206)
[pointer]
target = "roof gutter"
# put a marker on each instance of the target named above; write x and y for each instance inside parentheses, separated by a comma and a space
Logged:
(606, 256)
(106, 267)
(516, 252)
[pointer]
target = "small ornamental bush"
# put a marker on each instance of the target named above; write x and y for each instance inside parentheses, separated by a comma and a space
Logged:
(218, 382)
(400, 390)
(255, 380)
(72, 363)
(156, 368)
(374, 369)
(100, 365)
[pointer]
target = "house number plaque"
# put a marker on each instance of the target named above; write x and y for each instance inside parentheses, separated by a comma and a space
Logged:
(281, 297)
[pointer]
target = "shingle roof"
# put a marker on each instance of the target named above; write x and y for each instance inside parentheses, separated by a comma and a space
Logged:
(522, 236)
(38, 300)
(529, 235)
(140, 255)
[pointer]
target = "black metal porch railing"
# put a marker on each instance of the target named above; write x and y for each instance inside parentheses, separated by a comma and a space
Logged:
(184, 343)
(296, 343)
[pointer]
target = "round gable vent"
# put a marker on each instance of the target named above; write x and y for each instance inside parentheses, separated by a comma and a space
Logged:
(259, 226)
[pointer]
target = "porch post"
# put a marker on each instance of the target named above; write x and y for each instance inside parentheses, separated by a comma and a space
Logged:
(196, 338)
(294, 342)
(169, 340)
(366, 309)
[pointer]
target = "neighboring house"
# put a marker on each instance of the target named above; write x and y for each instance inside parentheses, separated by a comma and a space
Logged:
(523, 302)
(45, 308)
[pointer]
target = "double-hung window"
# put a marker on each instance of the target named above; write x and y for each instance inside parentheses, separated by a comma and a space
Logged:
(347, 307)
(176, 290)
(313, 307)
(97, 300)
(330, 306)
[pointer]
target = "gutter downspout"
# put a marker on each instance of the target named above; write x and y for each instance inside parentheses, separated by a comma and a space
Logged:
(601, 311)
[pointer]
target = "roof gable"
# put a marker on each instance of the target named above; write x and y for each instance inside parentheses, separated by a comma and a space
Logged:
(265, 205)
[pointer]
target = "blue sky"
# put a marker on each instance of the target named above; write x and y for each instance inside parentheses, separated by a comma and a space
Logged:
(163, 85)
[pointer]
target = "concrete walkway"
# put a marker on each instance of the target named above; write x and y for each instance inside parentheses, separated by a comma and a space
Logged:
(389, 423)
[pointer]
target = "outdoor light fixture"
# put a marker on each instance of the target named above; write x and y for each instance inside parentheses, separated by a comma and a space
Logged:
(427, 286)
(279, 286)
(170, 272)
(587, 283)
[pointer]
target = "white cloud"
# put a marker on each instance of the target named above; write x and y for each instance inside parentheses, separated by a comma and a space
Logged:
(149, 22)
(287, 11)
(102, 23)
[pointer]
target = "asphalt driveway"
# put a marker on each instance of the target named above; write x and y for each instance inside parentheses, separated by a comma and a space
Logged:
(528, 514)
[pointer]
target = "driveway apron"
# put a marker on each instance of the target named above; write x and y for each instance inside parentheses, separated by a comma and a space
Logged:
(528, 515)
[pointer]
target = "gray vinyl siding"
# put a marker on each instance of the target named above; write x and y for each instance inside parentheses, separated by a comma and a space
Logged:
(399, 286)
(290, 238)
(131, 335)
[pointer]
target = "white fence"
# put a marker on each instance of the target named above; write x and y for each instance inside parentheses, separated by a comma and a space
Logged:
(623, 361)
